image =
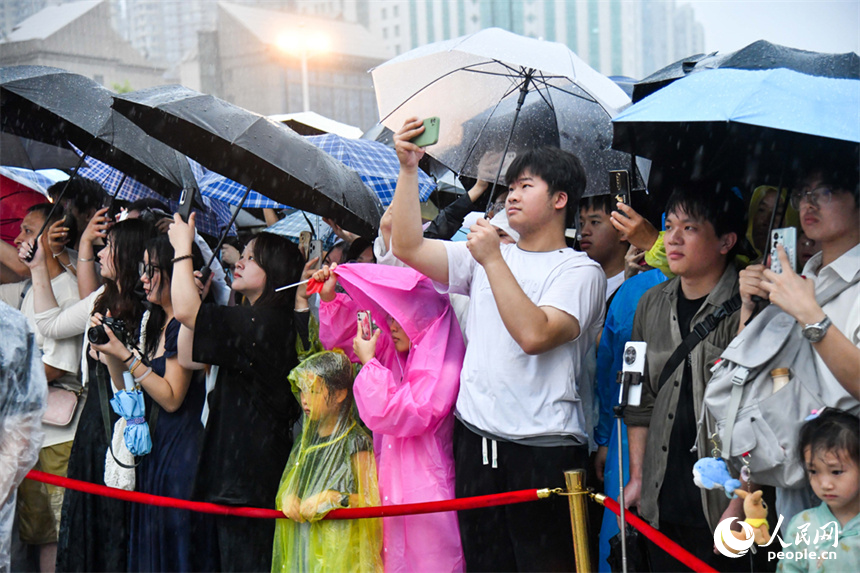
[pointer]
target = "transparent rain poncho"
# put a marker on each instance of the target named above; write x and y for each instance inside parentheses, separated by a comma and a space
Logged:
(23, 390)
(331, 466)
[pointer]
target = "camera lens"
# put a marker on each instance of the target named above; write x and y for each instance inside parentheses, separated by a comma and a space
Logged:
(775, 236)
(97, 335)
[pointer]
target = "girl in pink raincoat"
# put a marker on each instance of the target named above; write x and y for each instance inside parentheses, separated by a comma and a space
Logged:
(405, 393)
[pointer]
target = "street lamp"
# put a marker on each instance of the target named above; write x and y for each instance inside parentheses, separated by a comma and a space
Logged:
(304, 43)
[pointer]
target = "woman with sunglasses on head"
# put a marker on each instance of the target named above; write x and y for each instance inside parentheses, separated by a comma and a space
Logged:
(163, 539)
(251, 409)
(94, 529)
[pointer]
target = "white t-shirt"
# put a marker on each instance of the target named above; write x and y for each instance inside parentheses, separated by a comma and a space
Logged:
(504, 391)
(844, 312)
(612, 284)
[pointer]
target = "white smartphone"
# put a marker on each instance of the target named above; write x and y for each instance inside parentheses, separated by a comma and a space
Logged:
(786, 237)
(315, 251)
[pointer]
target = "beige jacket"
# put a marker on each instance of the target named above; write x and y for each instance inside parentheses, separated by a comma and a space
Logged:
(656, 323)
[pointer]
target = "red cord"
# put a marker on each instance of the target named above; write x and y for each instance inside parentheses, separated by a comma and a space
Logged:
(660, 540)
(348, 513)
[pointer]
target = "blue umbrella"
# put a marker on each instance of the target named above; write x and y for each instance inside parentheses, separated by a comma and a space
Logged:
(740, 126)
(224, 189)
(375, 163)
(128, 403)
(778, 99)
(210, 221)
(294, 223)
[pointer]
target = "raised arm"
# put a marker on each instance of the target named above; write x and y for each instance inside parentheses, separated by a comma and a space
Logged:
(88, 279)
(407, 235)
(183, 291)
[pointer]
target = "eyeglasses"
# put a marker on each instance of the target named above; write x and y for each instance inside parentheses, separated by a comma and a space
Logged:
(816, 197)
(147, 269)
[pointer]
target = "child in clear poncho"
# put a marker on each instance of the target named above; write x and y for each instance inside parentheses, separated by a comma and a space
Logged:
(331, 466)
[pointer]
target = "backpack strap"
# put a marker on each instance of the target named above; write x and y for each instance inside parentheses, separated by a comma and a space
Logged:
(697, 334)
(742, 374)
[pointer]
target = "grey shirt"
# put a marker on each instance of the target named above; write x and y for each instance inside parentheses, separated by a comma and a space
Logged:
(656, 323)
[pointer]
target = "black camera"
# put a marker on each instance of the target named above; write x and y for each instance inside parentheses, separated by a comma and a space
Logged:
(97, 334)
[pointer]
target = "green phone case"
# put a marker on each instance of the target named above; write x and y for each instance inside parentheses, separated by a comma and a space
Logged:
(431, 133)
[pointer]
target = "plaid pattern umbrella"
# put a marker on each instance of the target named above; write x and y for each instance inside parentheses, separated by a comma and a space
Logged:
(29, 178)
(294, 223)
(218, 187)
(375, 163)
(211, 221)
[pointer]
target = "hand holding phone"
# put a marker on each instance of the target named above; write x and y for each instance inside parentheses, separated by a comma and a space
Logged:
(430, 135)
(314, 252)
(365, 324)
(787, 237)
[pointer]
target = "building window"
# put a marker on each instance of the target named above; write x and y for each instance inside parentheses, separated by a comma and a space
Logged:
(385, 33)
(384, 13)
(397, 30)
(397, 49)
(396, 11)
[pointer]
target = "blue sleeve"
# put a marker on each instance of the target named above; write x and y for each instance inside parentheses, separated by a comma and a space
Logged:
(607, 389)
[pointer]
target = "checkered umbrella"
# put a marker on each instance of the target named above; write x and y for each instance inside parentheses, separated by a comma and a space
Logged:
(375, 163)
(223, 189)
(211, 221)
(294, 223)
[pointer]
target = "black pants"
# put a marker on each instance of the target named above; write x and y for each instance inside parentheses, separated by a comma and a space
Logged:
(700, 542)
(244, 543)
(534, 536)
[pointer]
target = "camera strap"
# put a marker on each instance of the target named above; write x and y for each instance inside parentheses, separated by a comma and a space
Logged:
(697, 334)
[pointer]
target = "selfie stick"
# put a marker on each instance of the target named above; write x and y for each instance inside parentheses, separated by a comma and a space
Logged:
(626, 379)
(207, 270)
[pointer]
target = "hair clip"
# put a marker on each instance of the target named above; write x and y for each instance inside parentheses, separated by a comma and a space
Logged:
(814, 414)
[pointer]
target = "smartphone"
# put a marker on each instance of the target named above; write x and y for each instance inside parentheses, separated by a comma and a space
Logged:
(186, 200)
(430, 135)
(633, 362)
(619, 185)
(315, 251)
(365, 324)
(304, 242)
(786, 237)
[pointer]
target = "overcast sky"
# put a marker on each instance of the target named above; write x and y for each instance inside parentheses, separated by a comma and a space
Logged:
(818, 25)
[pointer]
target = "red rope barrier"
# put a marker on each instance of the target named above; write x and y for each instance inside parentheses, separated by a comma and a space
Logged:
(347, 513)
(659, 539)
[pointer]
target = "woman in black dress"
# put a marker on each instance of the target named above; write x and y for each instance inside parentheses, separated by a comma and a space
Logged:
(251, 409)
(94, 529)
(160, 538)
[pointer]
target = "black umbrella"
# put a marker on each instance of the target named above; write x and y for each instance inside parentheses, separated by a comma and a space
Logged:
(760, 55)
(554, 118)
(54, 106)
(18, 151)
(255, 151)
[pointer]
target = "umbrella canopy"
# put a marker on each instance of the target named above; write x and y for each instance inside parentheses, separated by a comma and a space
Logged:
(18, 151)
(255, 151)
(28, 178)
(212, 216)
(460, 79)
(375, 163)
(760, 55)
(578, 125)
(741, 123)
(293, 224)
(220, 188)
(52, 106)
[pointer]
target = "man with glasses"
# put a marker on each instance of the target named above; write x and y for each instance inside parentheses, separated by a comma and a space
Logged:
(828, 200)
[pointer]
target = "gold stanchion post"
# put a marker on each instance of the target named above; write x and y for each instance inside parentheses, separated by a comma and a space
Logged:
(577, 498)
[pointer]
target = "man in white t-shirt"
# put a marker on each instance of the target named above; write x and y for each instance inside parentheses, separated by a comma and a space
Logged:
(535, 309)
(39, 505)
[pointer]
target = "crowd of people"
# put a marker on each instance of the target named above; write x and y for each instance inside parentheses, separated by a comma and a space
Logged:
(424, 369)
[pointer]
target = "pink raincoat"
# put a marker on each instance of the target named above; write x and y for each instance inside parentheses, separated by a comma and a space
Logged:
(407, 401)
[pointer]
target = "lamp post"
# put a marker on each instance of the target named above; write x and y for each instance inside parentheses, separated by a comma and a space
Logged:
(303, 43)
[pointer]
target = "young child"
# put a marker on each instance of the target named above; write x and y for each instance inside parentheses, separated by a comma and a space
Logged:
(830, 451)
(330, 467)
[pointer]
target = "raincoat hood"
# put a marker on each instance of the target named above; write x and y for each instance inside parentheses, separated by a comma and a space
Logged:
(404, 294)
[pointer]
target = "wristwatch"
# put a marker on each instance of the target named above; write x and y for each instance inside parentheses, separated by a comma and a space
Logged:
(815, 332)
